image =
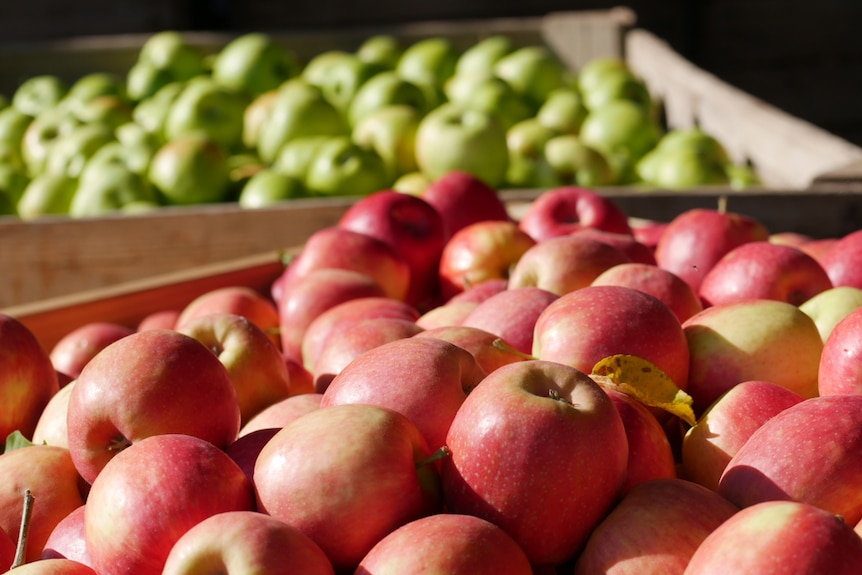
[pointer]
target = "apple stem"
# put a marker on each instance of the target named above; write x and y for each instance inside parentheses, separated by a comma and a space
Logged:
(500, 344)
(441, 453)
(21, 549)
(722, 204)
(119, 443)
(555, 395)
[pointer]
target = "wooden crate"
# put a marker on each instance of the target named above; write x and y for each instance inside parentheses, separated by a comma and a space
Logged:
(811, 177)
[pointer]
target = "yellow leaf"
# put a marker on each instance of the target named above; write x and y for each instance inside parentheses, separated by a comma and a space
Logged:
(644, 381)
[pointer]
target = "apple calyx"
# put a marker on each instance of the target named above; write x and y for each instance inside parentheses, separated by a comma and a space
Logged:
(442, 453)
(500, 344)
(118, 444)
(645, 382)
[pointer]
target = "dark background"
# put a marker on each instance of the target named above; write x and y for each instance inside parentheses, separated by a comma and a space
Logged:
(800, 55)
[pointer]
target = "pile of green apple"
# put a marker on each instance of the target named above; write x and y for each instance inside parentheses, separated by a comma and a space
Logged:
(251, 123)
(432, 386)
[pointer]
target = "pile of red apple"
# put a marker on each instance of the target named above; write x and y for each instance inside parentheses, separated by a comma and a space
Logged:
(434, 385)
(251, 123)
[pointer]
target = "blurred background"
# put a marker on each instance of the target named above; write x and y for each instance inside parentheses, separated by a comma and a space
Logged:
(804, 57)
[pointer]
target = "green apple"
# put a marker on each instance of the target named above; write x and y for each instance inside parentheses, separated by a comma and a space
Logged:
(528, 166)
(169, 51)
(295, 156)
(563, 111)
(829, 307)
(479, 59)
(391, 132)
(382, 49)
(254, 63)
(386, 89)
(530, 172)
(109, 110)
(413, 183)
(42, 133)
(49, 193)
(242, 167)
(13, 124)
(255, 115)
(144, 79)
(138, 146)
(532, 71)
(341, 167)
(317, 68)
(151, 113)
(575, 163)
(497, 97)
(742, 176)
(344, 78)
(95, 84)
(300, 109)
(39, 93)
(190, 170)
(207, 108)
(624, 132)
(268, 187)
(428, 61)
(13, 181)
(685, 158)
(453, 137)
(617, 84)
(592, 72)
(70, 152)
(106, 187)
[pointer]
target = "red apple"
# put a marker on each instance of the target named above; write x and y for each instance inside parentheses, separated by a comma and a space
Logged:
(254, 363)
(346, 476)
(749, 340)
(72, 352)
(675, 292)
(696, 239)
(561, 211)
(818, 248)
(68, 540)
(726, 425)
(245, 450)
(650, 453)
(636, 250)
(795, 239)
(237, 300)
(149, 383)
(779, 537)
(337, 247)
(463, 199)
(446, 315)
(481, 291)
(587, 325)
(447, 543)
(162, 319)
(28, 379)
(282, 412)
(8, 548)
(555, 436)
(565, 263)
(840, 369)
(807, 453)
(647, 231)
(344, 345)
(511, 315)
(424, 379)
(52, 429)
(764, 270)
(55, 567)
(245, 542)
(479, 252)
(655, 528)
(489, 349)
(301, 380)
(57, 490)
(841, 260)
(152, 493)
(341, 316)
(412, 227)
(308, 297)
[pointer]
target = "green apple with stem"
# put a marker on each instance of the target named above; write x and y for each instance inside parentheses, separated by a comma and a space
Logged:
(38, 93)
(386, 89)
(382, 49)
(341, 167)
(190, 170)
(300, 109)
(533, 71)
(453, 137)
(49, 193)
(391, 132)
(254, 63)
(207, 108)
(268, 187)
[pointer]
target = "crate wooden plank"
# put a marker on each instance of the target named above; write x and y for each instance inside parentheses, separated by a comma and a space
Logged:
(786, 151)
